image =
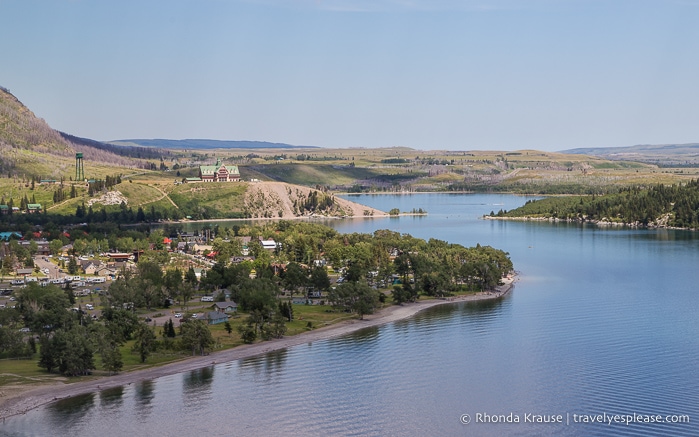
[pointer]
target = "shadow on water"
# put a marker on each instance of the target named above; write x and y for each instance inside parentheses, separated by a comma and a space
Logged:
(197, 388)
(265, 367)
(67, 411)
(144, 394)
(112, 398)
(198, 379)
(480, 308)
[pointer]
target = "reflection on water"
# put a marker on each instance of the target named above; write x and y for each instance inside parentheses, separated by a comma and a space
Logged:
(200, 378)
(144, 395)
(112, 397)
(70, 410)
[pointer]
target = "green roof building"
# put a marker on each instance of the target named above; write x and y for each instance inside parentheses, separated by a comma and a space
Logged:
(219, 173)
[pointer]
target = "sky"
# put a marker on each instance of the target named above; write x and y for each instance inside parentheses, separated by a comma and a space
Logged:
(427, 74)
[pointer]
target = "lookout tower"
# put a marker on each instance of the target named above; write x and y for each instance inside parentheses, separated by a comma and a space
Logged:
(79, 170)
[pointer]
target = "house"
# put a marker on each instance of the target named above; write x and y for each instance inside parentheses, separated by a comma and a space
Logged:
(24, 272)
(66, 250)
(201, 248)
(33, 208)
(4, 209)
(191, 180)
(226, 307)
(119, 256)
(219, 173)
(5, 236)
(299, 300)
(216, 317)
(90, 266)
(106, 271)
(43, 248)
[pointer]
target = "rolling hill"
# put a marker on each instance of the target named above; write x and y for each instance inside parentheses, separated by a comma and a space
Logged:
(29, 147)
(196, 144)
(665, 155)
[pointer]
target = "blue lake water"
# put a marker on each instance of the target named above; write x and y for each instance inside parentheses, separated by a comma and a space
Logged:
(601, 321)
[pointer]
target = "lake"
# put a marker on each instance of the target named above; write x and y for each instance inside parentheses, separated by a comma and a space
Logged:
(602, 322)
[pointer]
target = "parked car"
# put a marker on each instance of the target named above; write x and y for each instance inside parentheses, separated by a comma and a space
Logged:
(178, 315)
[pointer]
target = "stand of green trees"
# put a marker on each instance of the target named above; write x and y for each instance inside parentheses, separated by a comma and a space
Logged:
(674, 206)
(371, 267)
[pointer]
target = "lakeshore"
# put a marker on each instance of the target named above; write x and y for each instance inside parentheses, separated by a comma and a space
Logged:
(23, 402)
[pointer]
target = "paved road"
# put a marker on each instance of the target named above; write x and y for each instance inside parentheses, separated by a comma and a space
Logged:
(53, 268)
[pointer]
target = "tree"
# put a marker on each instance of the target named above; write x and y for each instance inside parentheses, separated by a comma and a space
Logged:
(68, 351)
(399, 295)
(366, 300)
(44, 309)
(120, 323)
(294, 277)
(356, 297)
(111, 358)
(186, 293)
(169, 329)
(191, 277)
(277, 327)
(145, 341)
(79, 246)
(12, 342)
(172, 282)
(72, 266)
(227, 327)
(286, 310)
(248, 333)
(319, 278)
(150, 282)
(257, 294)
(196, 336)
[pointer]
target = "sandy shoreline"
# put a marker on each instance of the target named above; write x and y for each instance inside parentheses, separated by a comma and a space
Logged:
(30, 399)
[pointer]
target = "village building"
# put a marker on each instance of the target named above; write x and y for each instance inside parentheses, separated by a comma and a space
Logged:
(216, 317)
(219, 173)
(33, 208)
(226, 307)
(24, 271)
(5, 236)
(122, 257)
(90, 266)
(200, 249)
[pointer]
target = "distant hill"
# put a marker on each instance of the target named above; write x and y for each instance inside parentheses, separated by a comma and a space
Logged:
(132, 151)
(29, 146)
(663, 154)
(205, 144)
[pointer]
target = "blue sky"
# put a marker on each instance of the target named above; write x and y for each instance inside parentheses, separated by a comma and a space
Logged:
(439, 74)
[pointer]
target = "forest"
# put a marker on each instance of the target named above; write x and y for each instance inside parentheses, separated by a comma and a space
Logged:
(659, 205)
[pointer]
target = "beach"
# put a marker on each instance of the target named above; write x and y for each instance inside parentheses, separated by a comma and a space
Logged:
(22, 402)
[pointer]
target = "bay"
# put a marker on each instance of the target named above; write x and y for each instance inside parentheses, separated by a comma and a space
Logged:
(602, 321)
